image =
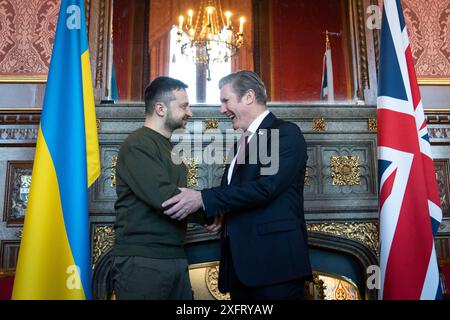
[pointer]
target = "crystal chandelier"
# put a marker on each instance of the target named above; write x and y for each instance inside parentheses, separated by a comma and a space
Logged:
(208, 36)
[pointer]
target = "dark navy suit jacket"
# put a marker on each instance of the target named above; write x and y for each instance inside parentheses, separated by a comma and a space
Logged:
(264, 213)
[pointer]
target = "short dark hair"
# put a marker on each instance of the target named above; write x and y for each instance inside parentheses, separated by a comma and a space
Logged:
(244, 80)
(160, 90)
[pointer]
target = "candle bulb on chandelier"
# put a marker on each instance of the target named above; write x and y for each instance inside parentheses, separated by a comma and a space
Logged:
(210, 10)
(241, 25)
(190, 14)
(180, 23)
(228, 16)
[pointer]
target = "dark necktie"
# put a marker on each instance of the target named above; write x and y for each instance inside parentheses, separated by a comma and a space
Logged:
(240, 158)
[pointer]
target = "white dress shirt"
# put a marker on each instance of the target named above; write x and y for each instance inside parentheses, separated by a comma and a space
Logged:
(253, 127)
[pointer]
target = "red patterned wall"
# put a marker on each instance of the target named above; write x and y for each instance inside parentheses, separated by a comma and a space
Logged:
(429, 34)
(27, 30)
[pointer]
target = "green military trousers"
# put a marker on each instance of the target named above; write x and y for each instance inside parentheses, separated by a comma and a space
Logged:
(140, 278)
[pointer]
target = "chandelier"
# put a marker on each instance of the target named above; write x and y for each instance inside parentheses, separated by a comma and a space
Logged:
(208, 36)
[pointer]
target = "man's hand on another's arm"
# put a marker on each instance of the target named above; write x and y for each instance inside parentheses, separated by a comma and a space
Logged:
(216, 225)
(183, 204)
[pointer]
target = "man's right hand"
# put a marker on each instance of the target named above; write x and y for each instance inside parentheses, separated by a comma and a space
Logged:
(216, 226)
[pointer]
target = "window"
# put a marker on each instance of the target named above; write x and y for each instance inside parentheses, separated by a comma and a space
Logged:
(186, 70)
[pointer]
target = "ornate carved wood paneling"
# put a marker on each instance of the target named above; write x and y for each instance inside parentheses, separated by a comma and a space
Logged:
(362, 44)
(438, 121)
(15, 117)
(102, 240)
(9, 251)
(442, 167)
(99, 33)
(364, 232)
(443, 249)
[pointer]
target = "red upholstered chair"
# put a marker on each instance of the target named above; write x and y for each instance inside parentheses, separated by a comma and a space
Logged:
(6, 283)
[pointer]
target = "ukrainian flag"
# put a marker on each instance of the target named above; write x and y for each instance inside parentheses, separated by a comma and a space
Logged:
(54, 257)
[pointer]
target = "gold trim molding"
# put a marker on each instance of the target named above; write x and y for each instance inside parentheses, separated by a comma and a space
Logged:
(319, 124)
(103, 240)
(372, 124)
(212, 283)
(112, 175)
(364, 232)
(211, 124)
(23, 79)
(192, 174)
(345, 170)
(434, 82)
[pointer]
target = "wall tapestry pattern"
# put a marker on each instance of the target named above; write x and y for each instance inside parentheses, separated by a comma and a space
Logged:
(27, 31)
(429, 34)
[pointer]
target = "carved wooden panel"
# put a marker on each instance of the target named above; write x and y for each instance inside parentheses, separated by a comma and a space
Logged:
(103, 194)
(311, 176)
(17, 189)
(443, 249)
(442, 168)
(9, 251)
(363, 152)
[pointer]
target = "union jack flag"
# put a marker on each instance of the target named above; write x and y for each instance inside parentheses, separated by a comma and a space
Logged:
(410, 211)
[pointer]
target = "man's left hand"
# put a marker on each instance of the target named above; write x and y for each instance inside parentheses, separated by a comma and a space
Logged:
(183, 204)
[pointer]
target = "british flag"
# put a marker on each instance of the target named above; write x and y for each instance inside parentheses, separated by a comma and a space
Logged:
(410, 211)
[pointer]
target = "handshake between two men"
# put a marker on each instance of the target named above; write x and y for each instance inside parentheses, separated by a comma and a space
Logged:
(186, 202)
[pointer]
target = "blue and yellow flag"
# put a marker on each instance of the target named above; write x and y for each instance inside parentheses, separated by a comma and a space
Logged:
(54, 257)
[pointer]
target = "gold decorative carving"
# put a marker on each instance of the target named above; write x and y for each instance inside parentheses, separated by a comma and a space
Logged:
(345, 170)
(211, 124)
(192, 175)
(212, 282)
(103, 240)
(113, 171)
(19, 233)
(315, 289)
(306, 182)
(319, 124)
(365, 232)
(225, 162)
(372, 124)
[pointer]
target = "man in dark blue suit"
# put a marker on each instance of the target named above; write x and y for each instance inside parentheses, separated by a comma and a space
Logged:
(264, 240)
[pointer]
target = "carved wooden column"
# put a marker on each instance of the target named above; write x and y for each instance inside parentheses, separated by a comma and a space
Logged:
(365, 46)
(99, 14)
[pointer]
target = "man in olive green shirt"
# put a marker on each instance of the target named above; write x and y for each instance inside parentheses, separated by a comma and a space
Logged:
(149, 257)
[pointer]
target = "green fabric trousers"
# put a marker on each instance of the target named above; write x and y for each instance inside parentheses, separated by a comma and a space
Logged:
(140, 278)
